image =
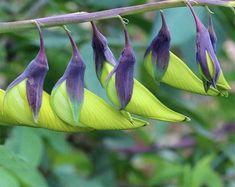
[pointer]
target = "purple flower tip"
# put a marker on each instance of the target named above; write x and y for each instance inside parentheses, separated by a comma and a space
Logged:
(124, 73)
(206, 57)
(199, 25)
(74, 77)
(160, 50)
(101, 50)
(212, 33)
(34, 74)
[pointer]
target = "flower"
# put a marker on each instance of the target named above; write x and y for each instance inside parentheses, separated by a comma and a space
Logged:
(160, 51)
(79, 107)
(124, 73)
(102, 53)
(34, 75)
(208, 63)
(142, 102)
(74, 80)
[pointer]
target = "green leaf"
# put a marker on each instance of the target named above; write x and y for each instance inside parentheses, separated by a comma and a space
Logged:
(7, 179)
(26, 144)
(204, 175)
(68, 177)
(21, 169)
(57, 141)
(187, 176)
(76, 158)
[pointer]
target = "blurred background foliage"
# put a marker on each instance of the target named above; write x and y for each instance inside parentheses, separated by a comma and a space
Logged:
(194, 154)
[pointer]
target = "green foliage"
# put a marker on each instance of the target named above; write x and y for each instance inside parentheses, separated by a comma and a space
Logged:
(20, 170)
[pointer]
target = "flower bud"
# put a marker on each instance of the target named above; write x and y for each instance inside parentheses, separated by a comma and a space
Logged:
(142, 102)
(124, 74)
(177, 74)
(34, 75)
(102, 53)
(95, 112)
(74, 82)
(208, 63)
(17, 109)
(159, 50)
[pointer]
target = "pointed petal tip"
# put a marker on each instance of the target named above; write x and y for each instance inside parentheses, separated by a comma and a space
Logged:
(223, 93)
(163, 19)
(35, 117)
(94, 28)
(212, 32)
(187, 119)
(142, 123)
(199, 24)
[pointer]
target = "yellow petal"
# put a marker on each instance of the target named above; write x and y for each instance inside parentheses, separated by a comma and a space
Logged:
(179, 75)
(16, 106)
(221, 82)
(95, 112)
(4, 119)
(143, 102)
(61, 104)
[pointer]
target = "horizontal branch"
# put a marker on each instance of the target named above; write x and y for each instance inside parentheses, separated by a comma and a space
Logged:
(105, 14)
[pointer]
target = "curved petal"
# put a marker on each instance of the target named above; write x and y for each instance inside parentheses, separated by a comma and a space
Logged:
(143, 102)
(95, 112)
(179, 75)
(16, 107)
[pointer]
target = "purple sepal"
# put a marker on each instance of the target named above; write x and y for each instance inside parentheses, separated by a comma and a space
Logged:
(124, 73)
(74, 77)
(101, 51)
(203, 46)
(212, 33)
(160, 51)
(34, 74)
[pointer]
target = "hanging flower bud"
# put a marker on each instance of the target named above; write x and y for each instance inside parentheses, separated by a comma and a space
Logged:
(212, 33)
(176, 69)
(124, 73)
(159, 50)
(34, 75)
(96, 113)
(80, 107)
(102, 53)
(74, 81)
(208, 62)
(142, 102)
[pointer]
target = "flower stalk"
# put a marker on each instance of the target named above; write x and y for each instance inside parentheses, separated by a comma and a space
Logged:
(80, 17)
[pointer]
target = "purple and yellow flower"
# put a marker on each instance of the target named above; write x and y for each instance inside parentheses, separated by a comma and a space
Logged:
(142, 102)
(74, 80)
(102, 53)
(124, 73)
(208, 63)
(79, 107)
(159, 50)
(34, 75)
(171, 68)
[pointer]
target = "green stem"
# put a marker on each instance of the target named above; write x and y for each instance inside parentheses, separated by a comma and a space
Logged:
(105, 14)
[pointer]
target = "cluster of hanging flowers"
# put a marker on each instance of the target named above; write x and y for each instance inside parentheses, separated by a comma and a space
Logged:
(71, 107)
